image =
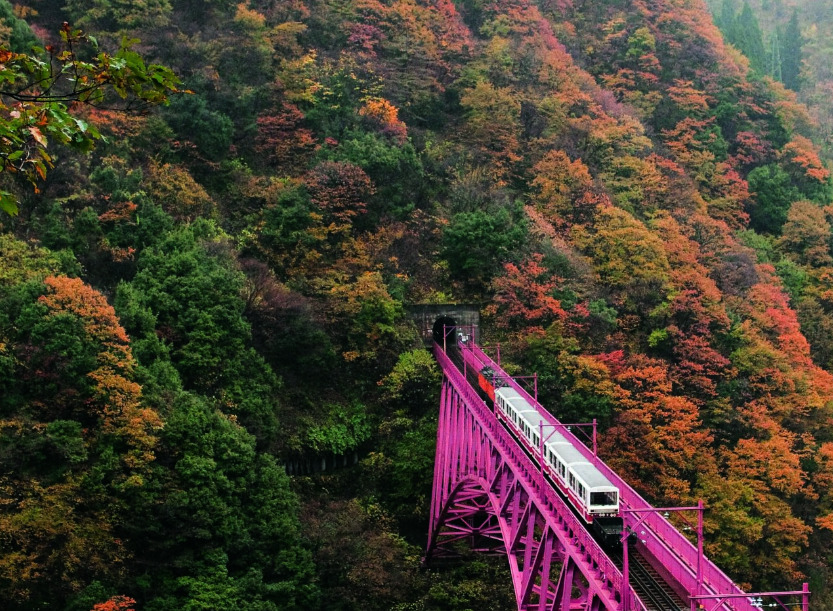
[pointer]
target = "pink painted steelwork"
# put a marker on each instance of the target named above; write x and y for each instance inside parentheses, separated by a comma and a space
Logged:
(663, 541)
(489, 494)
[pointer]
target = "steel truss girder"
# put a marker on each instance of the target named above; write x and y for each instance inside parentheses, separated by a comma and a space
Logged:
(484, 496)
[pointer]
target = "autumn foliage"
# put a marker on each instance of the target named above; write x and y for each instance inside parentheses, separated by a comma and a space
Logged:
(218, 299)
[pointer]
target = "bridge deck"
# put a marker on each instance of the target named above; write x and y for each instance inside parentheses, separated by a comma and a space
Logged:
(662, 542)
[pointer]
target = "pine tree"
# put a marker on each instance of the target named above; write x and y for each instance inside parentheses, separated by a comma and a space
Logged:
(726, 20)
(791, 56)
(750, 40)
(775, 61)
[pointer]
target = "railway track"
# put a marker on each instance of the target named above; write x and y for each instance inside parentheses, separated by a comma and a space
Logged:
(652, 589)
(648, 584)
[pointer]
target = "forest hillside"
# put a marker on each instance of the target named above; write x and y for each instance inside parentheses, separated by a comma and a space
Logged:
(194, 294)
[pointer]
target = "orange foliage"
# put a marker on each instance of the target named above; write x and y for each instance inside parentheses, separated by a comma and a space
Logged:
(122, 211)
(558, 187)
(523, 296)
(116, 603)
(100, 322)
(689, 150)
(801, 153)
(731, 194)
(115, 396)
(118, 124)
(659, 439)
(690, 99)
(771, 461)
(385, 115)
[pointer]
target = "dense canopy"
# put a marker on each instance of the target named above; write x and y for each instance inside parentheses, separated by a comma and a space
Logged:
(214, 216)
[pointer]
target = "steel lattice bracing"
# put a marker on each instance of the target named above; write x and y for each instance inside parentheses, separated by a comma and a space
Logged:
(491, 497)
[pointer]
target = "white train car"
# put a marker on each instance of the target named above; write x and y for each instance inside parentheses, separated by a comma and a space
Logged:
(590, 492)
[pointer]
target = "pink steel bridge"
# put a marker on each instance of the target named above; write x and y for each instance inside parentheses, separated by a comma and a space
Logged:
(489, 495)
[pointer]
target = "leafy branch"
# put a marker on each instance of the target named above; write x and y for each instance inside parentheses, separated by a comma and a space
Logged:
(40, 94)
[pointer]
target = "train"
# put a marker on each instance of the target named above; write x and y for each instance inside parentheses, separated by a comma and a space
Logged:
(487, 380)
(593, 497)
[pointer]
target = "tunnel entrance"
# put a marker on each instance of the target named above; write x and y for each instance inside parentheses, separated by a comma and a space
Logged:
(428, 318)
(449, 326)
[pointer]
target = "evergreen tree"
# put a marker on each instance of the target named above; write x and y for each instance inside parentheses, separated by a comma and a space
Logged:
(775, 60)
(791, 56)
(726, 20)
(750, 40)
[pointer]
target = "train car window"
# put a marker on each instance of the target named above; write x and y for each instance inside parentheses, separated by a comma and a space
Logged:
(603, 498)
(572, 481)
(581, 491)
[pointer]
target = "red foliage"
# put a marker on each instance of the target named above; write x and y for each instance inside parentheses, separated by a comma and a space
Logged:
(282, 139)
(116, 603)
(340, 189)
(773, 315)
(751, 150)
(365, 38)
(524, 296)
(614, 360)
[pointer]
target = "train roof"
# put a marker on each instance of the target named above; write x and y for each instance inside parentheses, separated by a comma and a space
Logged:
(515, 400)
(567, 453)
(507, 392)
(592, 477)
(533, 418)
(556, 438)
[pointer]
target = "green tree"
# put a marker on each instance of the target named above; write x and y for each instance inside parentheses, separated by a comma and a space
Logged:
(184, 305)
(223, 532)
(727, 19)
(40, 93)
(774, 193)
(791, 55)
(775, 60)
(210, 130)
(407, 385)
(14, 32)
(119, 15)
(477, 243)
(749, 39)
